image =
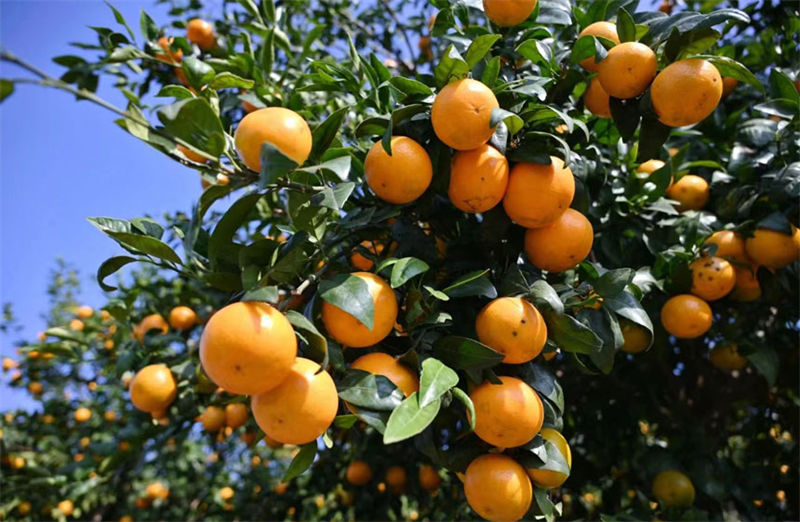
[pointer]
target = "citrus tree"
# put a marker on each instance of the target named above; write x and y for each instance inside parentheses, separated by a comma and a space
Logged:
(442, 250)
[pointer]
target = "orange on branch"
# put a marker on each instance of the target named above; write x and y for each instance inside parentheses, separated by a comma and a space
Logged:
(351, 332)
(507, 415)
(379, 363)
(182, 318)
(402, 177)
(153, 388)
(712, 278)
(686, 92)
(202, 33)
(773, 249)
(603, 29)
(478, 179)
(498, 488)
(562, 244)
(358, 473)
(462, 112)
(691, 192)
(538, 194)
(282, 128)
(627, 70)
(548, 479)
(513, 327)
(506, 13)
(597, 100)
(686, 316)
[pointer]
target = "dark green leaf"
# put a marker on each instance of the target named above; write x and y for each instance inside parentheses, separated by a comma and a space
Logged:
(406, 268)
(370, 391)
(302, 461)
(110, 266)
(570, 334)
(274, 165)
(452, 66)
(409, 419)
(465, 353)
(472, 284)
(326, 132)
(350, 294)
(626, 27)
(613, 282)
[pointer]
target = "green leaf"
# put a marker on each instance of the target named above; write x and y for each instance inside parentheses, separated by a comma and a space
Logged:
(195, 122)
(491, 72)
(435, 381)
(6, 88)
(452, 66)
(613, 282)
(781, 86)
(110, 266)
(513, 122)
(585, 47)
(121, 20)
(626, 27)
(465, 353)
(346, 421)
(544, 382)
(139, 243)
(778, 222)
(228, 80)
(652, 136)
(350, 294)
(766, 361)
(545, 297)
(367, 390)
(409, 419)
(479, 47)
(324, 134)
(732, 69)
(198, 73)
(411, 87)
(302, 461)
(175, 91)
(461, 396)
(625, 305)
(626, 115)
(221, 248)
(274, 165)
(317, 343)
(148, 27)
(570, 334)
(265, 294)
(472, 284)
(406, 268)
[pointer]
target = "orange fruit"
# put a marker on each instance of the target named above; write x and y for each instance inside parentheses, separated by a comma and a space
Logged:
(513, 327)
(562, 244)
(691, 192)
(728, 86)
(212, 418)
(726, 357)
(358, 473)
(747, 287)
(236, 415)
(712, 278)
(301, 407)
(605, 29)
(548, 479)
(730, 245)
(673, 489)
(425, 50)
(153, 388)
(462, 112)
(508, 414)
(348, 330)
(379, 363)
(637, 338)
(497, 488)
(191, 155)
(363, 263)
(65, 507)
(182, 318)
(478, 179)
(650, 166)
(627, 70)
(9, 364)
(23, 508)
(156, 490)
(248, 347)
(402, 177)
(83, 414)
(226, 493)
(150, 322)
(686, 316)
(110, 416)
(538, 194)
(508, 14)
(76, 325)
(686, 92)
(597, 100)
(549, 356)
(35, 387)
(201, 32)
(773, 249)
(283, 128)
(396, 478)
(171, 57)
(429, 478)
(84, 312)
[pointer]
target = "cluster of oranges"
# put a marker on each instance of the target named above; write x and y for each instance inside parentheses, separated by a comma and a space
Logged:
(359, 473)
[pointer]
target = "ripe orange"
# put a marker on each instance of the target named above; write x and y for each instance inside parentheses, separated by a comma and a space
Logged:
(726, 357)
(202, 33)
(396, 478)
(686, 316)
(76, 325)
(773, 249)
(384, 364)
(35, 387)
(9, 363)
(508, 414)
(348, 330)
(747, 286)
(182, 318)
(171, 57)
(236, 415)
(462, 112)
(402, 177)
(248, 347)
(478, 179)
(301, 407)
(637, 338)
(153, 388)
(358, 473)
(110, 416)
(83, 414)
(23, 508)
(191, 155)
(538, 194)
(686, 92)
(730, 245)
(728, 86)
(596, 99)
(712, 278)
(605, 29)
(283, 128)
(562, 244)
(157, 490)
(691, 192)
(498, 488)
(85, 312)
(429, 478)
(226, 493)
(212, 419)
(65, 507)
(150, 322)
(628, 70)
(508, 14)
(363, 263)
(512, 326)
(650, 166)
(673, 489)
(548, 479)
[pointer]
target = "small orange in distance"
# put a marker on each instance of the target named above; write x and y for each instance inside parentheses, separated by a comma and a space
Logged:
(728, 86)
(429, 478)
(396, 478)
(730, 245)
(712, 278)
(606, 30)
(498, 488)
(212, 419)
(548, 479)
(726, 357)
(191, 155)
(673, 489)
(83, 414)
(628, 70)
(650, 166)
(226, 493)
(236, 415)
(686, 92)
(153, 388)
(157, 490)
(597, 100)
(301, 407)
(507, 415)
(84, 312)
(462, 113)
(747, 286)
(538, 194)
(202, 33)
(773, 249)
(402, 177)
(65, 507)
(513, 327)
(562, 244)
(362, 262)
(478, 179)
(379, 363)
(351, 332)
(76, 325)
(283, 128)
(508, 14)
(358, 473)
(150, 322)
(691, 192)
(182, 318)
(686, 316)
(248, 347)
(636, 337)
